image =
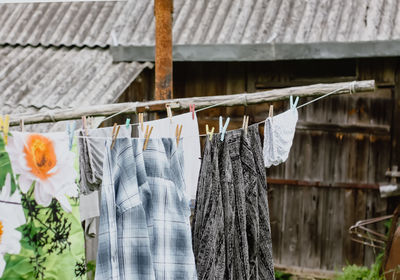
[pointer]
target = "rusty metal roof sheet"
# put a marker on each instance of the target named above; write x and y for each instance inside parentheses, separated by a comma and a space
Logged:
(35, 78)
(201, 22)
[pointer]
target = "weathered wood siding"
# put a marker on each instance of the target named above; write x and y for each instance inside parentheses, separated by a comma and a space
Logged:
(339, 140)
(342, 148)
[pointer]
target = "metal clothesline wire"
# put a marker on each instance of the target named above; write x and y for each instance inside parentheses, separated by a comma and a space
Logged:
(351, 89)
(205, 108)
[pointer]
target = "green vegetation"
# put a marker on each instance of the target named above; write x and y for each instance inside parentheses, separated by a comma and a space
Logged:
(279, 275)
(354, 272)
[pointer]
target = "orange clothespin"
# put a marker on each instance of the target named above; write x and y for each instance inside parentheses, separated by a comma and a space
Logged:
(140, 116)
(147, 136)
(114, 134)
(191, 107)
(178, 132)
(209, 132)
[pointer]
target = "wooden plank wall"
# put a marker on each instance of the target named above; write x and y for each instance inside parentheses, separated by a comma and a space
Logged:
(310, 223)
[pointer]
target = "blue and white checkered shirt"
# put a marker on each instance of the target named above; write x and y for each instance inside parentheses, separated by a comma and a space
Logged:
(144, 217)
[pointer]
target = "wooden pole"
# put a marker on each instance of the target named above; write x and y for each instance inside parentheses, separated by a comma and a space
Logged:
(200, 102)
(163, 50)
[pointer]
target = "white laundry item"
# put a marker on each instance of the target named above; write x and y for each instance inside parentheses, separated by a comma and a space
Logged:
(278, 136)
(191, 145)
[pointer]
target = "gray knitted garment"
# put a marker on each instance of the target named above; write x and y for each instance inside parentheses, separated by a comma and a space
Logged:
(230, 231)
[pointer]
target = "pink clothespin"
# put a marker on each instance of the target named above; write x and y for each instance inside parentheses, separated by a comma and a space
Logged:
(191, 107)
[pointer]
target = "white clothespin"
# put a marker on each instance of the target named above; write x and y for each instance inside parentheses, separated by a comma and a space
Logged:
(169, 112)
(224, 128)
(209, 132)
(293, 105)
(271, 111)
(70, 131)
(22, 125)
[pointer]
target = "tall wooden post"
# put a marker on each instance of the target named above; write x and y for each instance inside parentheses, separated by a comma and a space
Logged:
(163, 49)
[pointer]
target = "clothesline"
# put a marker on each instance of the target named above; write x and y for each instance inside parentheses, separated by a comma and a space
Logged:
(351, 91)
(242, 99)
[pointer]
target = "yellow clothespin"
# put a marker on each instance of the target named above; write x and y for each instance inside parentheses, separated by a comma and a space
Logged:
(209, 133)
(169, 112)
(114, 134)
(147, 136)
(1, 123)
(6, 125)
(178, 133)
(271, 111)
(140, 116)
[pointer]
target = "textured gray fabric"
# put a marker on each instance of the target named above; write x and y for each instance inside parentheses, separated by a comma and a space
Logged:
(91, 155)
(144, 214)
(231, 231)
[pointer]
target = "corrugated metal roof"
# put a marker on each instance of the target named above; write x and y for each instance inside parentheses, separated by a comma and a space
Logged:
(201, 22)
(34, 78)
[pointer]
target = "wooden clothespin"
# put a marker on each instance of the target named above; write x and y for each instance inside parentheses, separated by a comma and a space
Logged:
(191, 107)
(178, 132)
(1, 123)
(140, 116)
(169, 112)
(114, 134)
(271, 111)
(245, 124)
(6, 126)
(147, 136)
(22, 125)
(209, 132)
(84, 125)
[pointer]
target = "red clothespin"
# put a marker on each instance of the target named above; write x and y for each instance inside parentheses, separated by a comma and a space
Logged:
(191, 107)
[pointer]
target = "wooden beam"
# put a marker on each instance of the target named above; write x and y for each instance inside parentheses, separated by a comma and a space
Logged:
(163, 50)
(307, 273)
(200, 102)
(375, 129)
(321, 184)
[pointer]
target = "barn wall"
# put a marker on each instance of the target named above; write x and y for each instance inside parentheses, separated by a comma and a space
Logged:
(342, 148)
(310, 223)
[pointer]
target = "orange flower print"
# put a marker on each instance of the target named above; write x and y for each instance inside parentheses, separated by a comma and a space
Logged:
(40, 155)
(45, 162)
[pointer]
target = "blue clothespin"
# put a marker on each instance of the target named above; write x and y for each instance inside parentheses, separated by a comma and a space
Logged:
(70, 130)
(293, 104)
(223, 130)
(127, 123)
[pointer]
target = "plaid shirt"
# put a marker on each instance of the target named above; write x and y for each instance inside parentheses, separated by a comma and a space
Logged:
(144, 217)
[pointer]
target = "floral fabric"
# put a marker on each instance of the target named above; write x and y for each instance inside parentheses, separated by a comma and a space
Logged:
(40, 231)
